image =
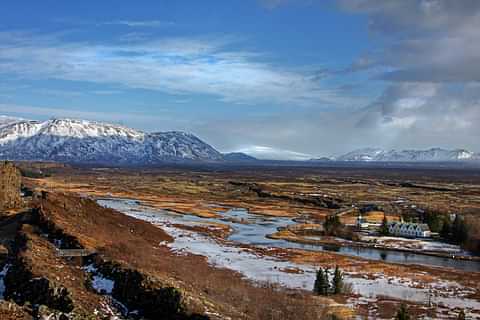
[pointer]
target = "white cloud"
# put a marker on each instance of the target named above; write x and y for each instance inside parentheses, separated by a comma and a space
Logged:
(187, 66)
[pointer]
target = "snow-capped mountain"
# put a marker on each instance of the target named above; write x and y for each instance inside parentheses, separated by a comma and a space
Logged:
(433, 154)
(366, 154)
(86, 141)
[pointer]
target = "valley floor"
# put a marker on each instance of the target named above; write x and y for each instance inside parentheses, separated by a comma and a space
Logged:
(178, 230)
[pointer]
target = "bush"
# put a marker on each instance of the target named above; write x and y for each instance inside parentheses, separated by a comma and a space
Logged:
(332, 225)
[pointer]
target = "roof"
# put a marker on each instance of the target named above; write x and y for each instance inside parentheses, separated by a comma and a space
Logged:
(421, 226)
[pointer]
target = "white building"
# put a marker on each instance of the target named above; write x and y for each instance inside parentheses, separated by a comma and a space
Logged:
(409, 230)
(363, 223)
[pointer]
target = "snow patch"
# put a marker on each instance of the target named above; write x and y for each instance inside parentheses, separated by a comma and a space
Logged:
(99, 282)
(102, 285)
(3, 273)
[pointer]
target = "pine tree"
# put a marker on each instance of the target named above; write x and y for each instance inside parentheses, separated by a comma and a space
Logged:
(402, 313)
(461, 315)
(337, 283)
(384, 227)
(446, 229)
(326, 272)
(319, 286)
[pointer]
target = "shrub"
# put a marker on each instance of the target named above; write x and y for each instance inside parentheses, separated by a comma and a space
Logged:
(332, 225)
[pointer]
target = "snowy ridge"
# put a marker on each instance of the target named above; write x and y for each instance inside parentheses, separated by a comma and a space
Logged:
(87, 141)
(433, 154)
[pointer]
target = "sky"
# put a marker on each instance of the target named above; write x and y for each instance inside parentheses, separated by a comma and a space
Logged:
(277, 79)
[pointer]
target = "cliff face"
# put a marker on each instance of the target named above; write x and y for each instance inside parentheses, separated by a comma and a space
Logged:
(10, 184)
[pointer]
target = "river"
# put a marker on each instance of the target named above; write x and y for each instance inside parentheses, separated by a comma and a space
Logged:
(252, 229)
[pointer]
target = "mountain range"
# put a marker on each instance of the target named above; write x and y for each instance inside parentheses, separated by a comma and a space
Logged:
(81, 141)
(433, 154)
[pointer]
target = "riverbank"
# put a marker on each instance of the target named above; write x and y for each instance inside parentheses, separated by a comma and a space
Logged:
(338, 242)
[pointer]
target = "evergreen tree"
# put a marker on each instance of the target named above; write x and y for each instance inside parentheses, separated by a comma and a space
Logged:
(384, 227)
(459, 230)
(446, 229)
(461, 315)
(320, 285)
(402, 313)
(326, 272)
(337, 283)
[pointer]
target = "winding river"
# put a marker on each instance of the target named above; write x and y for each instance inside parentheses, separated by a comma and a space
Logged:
(252, 229)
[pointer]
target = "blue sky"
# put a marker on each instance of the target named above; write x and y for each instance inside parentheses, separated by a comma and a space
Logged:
(273, 78)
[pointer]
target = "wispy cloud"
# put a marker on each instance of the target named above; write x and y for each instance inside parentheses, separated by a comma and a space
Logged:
(179, 65)
(141, 23)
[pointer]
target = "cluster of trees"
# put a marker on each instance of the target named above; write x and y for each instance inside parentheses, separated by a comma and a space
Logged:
(332, 225)
(473, 238)
(463, 230)
(335, 228)
(323, 286)
(456, 231)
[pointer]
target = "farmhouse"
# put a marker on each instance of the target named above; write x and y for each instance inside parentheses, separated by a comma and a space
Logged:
(364, 224)
(410, 230)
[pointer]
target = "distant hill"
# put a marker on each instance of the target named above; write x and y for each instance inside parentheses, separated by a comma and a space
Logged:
(322, 159)
(433, 154)
(238, 156)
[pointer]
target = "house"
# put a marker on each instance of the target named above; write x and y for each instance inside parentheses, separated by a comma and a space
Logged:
(409, 230)
(364, 224)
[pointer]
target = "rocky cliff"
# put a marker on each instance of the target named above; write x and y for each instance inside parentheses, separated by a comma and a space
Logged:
(10, 184)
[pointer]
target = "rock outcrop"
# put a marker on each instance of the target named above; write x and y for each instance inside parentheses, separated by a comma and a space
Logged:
(10, 184)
